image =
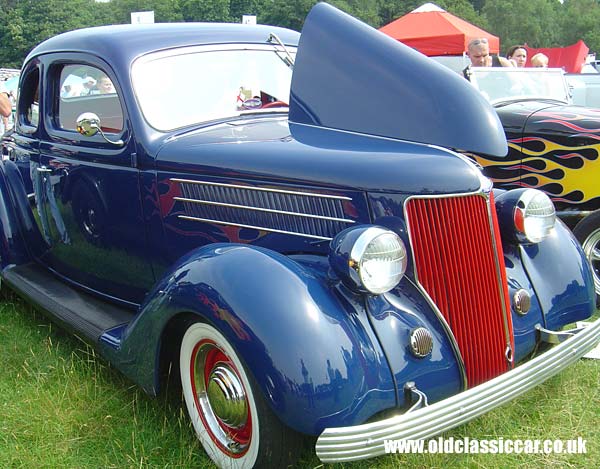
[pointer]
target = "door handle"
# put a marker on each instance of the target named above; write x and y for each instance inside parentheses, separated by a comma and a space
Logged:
(43, 169)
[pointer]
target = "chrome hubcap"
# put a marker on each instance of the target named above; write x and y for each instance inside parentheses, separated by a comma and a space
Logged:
(227, 397)
(221, 399)
(591, 247)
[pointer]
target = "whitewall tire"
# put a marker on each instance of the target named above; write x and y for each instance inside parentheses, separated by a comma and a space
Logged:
(231, 418)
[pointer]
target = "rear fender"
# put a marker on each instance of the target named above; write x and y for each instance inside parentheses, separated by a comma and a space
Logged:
(312, 352)
(15, 216)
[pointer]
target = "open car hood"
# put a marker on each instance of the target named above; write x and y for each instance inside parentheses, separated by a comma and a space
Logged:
(351, 77)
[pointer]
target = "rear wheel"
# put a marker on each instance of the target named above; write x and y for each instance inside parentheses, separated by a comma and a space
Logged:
(231, 418)
(587, 232)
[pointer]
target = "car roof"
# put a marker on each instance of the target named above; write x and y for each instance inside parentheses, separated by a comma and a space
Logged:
(124, 43)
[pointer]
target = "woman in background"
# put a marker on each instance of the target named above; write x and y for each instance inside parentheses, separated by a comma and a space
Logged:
(518, 55)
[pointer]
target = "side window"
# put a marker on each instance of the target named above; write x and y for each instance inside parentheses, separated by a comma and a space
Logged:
(84, 88)
(28, 109)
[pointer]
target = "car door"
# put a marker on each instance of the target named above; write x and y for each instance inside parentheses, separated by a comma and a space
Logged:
(87, 188)
(22, 147)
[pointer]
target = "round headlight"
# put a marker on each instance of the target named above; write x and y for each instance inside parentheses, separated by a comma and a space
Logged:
(371, 259)
(534, 216)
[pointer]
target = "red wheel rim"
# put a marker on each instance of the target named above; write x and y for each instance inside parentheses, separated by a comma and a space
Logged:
(207, 357)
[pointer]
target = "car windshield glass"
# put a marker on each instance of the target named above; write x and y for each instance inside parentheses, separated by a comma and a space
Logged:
(503, 84)
(181, 87)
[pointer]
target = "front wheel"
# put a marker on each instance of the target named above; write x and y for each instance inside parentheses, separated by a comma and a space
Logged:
(231, 418)
(587, 232)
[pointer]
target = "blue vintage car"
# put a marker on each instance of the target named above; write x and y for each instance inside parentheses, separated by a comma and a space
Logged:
(285, 219)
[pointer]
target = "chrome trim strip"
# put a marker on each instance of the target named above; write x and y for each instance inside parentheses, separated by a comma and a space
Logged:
(367, 440)
(440, 317)
(262, 189)
(259, 209)
(194, 49)
(272, 230)
(505, 307)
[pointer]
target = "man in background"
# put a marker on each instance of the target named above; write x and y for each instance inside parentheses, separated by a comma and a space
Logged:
(478, 51)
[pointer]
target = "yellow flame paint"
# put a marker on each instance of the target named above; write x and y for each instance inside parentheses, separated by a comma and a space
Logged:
(584, 179)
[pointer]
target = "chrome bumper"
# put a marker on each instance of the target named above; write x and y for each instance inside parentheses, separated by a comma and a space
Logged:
(366, 441)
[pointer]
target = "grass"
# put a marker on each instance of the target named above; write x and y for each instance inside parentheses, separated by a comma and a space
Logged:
(63, 406)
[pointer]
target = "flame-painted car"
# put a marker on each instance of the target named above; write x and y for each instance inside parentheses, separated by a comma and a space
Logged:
(293, 229)
(553, 146)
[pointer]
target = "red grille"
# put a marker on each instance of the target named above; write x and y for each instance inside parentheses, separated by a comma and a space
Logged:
(455, 262)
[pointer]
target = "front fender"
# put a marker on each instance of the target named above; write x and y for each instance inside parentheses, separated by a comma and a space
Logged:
(312, 353)
(561, 277)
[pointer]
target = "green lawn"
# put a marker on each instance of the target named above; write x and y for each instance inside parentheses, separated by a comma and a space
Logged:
(63, 406)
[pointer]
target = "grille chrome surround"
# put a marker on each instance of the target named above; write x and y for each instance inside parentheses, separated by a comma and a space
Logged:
(306, 214)
(460, 265)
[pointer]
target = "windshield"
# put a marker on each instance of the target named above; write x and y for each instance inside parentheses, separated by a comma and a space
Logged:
(185, 86)
(503, 84)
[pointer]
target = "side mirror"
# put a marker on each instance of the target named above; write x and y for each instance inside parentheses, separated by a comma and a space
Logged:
(88, 125)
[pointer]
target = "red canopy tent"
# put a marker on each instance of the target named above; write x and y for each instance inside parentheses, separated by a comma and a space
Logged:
(571, 58)
(434, 32)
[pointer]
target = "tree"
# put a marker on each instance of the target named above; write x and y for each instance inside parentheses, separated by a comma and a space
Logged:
(535, 22)
(205, 10)
(539, 23)
(464, 10)
(25, 23)
(391, 10)
(579, 19)
(285, 13)
(239, 8)
(165, 11)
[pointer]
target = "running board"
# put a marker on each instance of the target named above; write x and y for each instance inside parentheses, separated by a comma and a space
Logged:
(87, 315)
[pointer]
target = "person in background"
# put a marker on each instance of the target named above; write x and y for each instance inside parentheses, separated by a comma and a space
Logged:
(5, 103)
(478, 51)
(89, 86)
(539, 60)
(517, 54)
(5, 109)
(105, 86)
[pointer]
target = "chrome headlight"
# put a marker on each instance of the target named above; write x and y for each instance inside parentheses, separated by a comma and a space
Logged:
(369, 258)
(534, 216)
(526, 213)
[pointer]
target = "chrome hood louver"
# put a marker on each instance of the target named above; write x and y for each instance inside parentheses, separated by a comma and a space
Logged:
(307, 214)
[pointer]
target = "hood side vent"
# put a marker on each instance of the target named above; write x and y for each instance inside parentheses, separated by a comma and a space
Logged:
(311, 215)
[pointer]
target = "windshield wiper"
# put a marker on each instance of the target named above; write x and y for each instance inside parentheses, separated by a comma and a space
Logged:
(288, 59)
